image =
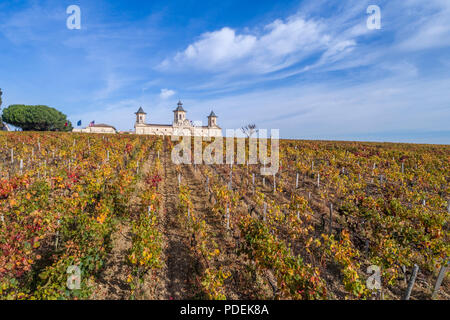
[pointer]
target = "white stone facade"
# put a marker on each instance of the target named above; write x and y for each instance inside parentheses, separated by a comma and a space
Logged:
(97, 128)
(180, 126)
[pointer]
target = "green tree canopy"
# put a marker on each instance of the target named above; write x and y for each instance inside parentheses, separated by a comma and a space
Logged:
(36, 118)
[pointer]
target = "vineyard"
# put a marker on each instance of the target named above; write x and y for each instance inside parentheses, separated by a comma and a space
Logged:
(114, 215)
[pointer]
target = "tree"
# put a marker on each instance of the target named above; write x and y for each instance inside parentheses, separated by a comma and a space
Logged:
(249, 130)
(1, 123)
(36, 118)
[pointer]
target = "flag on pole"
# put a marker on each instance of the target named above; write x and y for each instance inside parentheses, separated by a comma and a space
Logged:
(66, 124)
(92, 123)
(79, 123)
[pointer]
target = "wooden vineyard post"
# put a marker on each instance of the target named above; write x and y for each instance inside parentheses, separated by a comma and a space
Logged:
(179, 179)
(296, 182)
(309, 196)
(137, 168)
(412, 280)
(318, 180)
(440, 278)
(21, 166)
(366, 247)
(331, 219)
(57, 236)
(264, 212)
(448, 206)
(207, 184)
(12, 156)
(264, 182)
(228, 217)
(403, 167)
(253, 181)
(274, 184)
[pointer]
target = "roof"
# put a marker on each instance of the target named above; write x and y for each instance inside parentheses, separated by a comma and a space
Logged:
(140, 111)
(212, 115)
(102, 125)
(180, 107)
(157, 125)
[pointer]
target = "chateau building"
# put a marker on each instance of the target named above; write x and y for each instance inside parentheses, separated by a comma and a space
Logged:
(97, 128)
(180, 126)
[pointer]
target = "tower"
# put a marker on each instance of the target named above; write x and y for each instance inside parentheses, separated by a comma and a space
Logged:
(179, 114)
(212, 120)
(140, 116)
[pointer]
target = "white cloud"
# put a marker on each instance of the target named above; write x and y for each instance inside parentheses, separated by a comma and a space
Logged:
(279, 45)
(166, 93)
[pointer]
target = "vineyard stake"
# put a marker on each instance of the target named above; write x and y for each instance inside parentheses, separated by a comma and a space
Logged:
(228, 217)
(207, 184)
(440, 278)
(274, 184)
(264, 212)
(412, 280)
(12, 156)
(403, 167)
(448, 206)
(253, 178)
(57, 235)
(296, 182)
(264, 181)
(318, 180)
(331, 219)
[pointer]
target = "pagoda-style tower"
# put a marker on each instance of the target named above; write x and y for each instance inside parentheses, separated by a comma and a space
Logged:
(179, 114)
(212, 120)
(140, 116)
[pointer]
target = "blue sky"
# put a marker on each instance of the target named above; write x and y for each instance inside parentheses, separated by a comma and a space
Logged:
(310, 68)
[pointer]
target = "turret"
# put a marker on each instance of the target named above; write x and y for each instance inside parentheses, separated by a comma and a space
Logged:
(140, 116)
(212, 120)
(179, 114)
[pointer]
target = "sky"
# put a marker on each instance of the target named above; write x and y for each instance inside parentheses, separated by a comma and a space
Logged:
(310, 68)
